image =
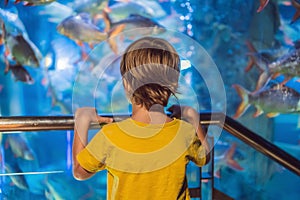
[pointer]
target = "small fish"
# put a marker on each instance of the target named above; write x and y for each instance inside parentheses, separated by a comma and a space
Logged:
(262, 5)
(32, 2)
(18, 180)
(272, 99)
(21, 74)
(19, 147)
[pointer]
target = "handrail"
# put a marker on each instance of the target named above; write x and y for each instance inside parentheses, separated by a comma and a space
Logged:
(40, 123)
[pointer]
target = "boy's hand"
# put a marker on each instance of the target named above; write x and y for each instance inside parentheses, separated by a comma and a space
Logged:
(185, 112)
(88, 115)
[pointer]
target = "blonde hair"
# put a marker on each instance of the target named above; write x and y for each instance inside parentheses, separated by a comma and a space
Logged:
(150, 68)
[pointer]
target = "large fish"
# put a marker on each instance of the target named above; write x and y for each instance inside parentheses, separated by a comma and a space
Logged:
(121, 10)
(272, 99)
(81, 29)
(134, 21)
(19, 146)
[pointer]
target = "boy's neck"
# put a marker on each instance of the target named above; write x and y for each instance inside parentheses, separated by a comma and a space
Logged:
(156, 115)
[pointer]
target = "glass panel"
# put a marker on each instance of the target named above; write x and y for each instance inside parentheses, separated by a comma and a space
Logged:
(37, 165)
(211, 36)
(243, 173)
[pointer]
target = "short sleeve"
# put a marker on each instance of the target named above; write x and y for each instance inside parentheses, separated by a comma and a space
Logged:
(196, 152)
(93, 156)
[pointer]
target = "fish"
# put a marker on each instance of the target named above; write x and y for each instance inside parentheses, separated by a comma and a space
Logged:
(81, 29)
(21, 74)
(22, 51)
(32, 2)
(123, 9)
(58, 187)
(19, 146)
(18, 180)
(131, 27)
(272, 99)
(134, 21)
(288, 64)
(153, 8)
(271, 63)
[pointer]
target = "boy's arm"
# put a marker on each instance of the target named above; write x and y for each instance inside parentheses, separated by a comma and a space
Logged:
(83, 118)
(192, 116)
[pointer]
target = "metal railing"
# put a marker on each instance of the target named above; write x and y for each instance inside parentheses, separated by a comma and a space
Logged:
(42, 123)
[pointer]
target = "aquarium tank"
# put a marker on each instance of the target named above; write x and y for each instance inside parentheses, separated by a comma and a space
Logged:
(240, 58)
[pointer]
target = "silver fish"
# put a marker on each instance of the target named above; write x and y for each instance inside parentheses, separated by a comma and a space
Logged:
(80, 29)
(273, 62)
(271, 99)
(121, 10)
(288, 64)
(19, 146)
(18, 180)
(134, 21)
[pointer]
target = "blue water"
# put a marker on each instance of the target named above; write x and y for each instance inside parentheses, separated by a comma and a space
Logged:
(210, 37)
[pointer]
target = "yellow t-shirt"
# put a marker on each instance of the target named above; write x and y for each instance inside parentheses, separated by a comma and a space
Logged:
(144, 161)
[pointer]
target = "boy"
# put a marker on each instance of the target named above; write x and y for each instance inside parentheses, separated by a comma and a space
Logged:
(145, 155)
